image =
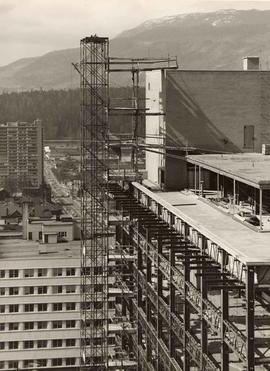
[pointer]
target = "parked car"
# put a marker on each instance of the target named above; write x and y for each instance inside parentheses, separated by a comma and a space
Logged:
(252, 219)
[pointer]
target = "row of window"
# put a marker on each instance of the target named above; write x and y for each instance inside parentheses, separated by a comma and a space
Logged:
(31, 344)
(37, 290)
(59, 234)
(33, 363)
(42, 307)
(40, 325)
(41, 272)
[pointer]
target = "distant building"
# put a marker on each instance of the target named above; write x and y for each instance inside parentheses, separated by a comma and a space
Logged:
(21, 155)
(205, 112)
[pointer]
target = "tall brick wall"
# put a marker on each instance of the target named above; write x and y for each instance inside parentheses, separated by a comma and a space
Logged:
(209, 109)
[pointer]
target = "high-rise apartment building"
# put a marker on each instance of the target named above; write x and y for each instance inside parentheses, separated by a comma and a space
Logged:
(21, 155)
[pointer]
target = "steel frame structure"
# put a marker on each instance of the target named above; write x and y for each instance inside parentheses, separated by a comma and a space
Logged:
(164, 267)
(169, 249)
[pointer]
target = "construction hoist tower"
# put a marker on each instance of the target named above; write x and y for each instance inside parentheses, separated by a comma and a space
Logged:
(94, 154)
(96, 181)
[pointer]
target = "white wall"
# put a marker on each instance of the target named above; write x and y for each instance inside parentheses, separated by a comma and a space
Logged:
(154, 124)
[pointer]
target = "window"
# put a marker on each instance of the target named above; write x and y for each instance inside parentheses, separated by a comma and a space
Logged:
(70, 324)
(42, 307)
(98, 304)
(29, 307)
(40, 235)
(62, 234)
(29, 273)
(249, 136)
(57, 343)
(30, 235)
(41, 362)
(42, 290)
(57, 324)
(70, 271)
(13, 326)
(2, 309)
(57, 289)
(98, 271)
(2, 365)
(2, 274)
(29, 363)
(42, 343)
(13, 364)
(14, 291)
(13, 345)
(29, 290)
(70, 361)
(57, 272)
(13, 308)
(2, 345)
(70, 342)
(57, 362)
(2, 326)
(41, 325)
(70, 306)
(13, 273)
(2, 291)
(70, 289)
(98, 288)
(42, 272)
(28, 344)
(28, 325)
(57, 306)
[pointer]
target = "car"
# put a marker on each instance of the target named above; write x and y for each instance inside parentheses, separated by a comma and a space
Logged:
(252, 219)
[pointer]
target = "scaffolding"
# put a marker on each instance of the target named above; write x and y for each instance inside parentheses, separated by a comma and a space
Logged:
(94, 157)
(96, 182)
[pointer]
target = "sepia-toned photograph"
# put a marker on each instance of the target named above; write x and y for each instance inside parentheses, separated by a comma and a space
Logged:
(134, 185)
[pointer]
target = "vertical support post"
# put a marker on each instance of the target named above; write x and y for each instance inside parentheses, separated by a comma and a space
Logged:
(225, 354)
(204, 337)
(186, 362)
(217, 182)
(148, 302)
(159, 292)
(250, 316)
(172, 302)
(200, 176)
(195, 178)
(261, 200)
(234, 193)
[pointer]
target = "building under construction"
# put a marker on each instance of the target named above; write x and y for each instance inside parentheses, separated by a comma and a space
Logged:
(169, 281)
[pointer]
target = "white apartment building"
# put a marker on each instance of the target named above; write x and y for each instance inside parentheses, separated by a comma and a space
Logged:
(39, 305)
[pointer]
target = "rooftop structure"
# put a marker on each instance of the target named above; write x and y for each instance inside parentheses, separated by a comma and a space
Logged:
(211, 111)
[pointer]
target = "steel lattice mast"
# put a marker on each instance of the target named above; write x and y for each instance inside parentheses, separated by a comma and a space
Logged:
(94, 155)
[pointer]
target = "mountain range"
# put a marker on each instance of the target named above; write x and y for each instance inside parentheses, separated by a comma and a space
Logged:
(216, 40)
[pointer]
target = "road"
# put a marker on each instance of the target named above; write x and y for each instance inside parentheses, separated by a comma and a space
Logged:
(61, 192)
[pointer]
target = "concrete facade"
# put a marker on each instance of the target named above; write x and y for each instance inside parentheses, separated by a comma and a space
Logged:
(210, 111)
(40, 305)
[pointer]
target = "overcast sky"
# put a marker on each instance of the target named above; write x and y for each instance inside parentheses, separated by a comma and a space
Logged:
(35, 27)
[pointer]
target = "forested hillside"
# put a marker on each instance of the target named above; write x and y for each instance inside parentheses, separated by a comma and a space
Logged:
(59, 110)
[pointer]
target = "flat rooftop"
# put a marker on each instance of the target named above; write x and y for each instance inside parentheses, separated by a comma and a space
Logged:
(248, 246)
(249, 168)
(19, 249)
